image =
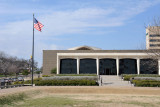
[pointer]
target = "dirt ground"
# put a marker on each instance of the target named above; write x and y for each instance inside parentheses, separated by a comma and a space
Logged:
(86, 90)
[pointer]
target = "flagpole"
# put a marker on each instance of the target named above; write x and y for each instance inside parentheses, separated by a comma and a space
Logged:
(33, 51)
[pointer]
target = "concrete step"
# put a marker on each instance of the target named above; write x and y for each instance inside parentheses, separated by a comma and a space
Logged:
(110, 80)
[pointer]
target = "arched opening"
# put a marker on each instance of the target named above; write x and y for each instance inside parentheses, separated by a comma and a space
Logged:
(68, 66)
(107, 66)
(88, 66)
(148, 66)
(127, 66)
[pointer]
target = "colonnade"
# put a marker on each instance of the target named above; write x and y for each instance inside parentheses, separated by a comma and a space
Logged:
(97, 64)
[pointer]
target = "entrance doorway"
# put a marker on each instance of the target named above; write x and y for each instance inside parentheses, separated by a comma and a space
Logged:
(107, 66)
(106, 71)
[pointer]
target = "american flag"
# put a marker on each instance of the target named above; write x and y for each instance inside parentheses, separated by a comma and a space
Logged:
(37, 25)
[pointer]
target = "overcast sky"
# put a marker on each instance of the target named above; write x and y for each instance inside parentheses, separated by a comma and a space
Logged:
(106, 24)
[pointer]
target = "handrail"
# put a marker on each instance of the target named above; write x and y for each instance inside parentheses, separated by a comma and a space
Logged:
(11, 86)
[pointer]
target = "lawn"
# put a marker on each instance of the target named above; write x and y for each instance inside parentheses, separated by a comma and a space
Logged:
(57, 97)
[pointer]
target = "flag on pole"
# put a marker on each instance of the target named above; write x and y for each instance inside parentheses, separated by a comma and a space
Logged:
(37, 25)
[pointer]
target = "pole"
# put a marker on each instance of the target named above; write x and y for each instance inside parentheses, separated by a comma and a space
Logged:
(33, 51)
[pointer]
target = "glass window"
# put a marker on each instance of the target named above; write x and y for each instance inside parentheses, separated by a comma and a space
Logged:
(88, 66)
(154, 45)
(154, 35)
(154, 40)
(68, 66)
(148, 66)
(127, 66)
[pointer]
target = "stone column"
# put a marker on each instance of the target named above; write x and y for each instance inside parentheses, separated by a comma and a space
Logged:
(58, 65)
(158, 66)
(117, 64)
(138, 66)
(77, 65)
(97, 60)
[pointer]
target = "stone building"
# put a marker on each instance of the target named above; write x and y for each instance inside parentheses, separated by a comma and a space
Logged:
(91, 60)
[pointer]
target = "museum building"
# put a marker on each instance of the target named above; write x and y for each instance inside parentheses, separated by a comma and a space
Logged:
(91, 60)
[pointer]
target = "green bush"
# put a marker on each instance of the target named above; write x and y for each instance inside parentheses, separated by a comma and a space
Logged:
(45, 76)
(126, 77)
(38, 72)
(146, 83)
(25, 72)
(63, 82)
(19, 82)
(54, 71)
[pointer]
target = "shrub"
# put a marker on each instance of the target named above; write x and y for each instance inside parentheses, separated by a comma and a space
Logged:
(63, 82)
(146, 83)
(54, 71)
(38, 72)
(45, 76)
(25, 72)
(126, 77)
(19, 82)
(71, 78)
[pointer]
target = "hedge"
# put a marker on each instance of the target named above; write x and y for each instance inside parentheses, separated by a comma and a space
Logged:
(66, 83)
(126, 77)
(146, 83)
(62, 82)
(71, 78)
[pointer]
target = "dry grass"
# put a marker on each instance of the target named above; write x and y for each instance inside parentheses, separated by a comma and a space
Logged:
(72, 96)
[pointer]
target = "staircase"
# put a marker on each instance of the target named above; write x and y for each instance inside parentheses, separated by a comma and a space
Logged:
(110, 80)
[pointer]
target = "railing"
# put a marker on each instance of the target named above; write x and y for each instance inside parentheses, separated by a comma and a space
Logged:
(100, 80)
(11, 86)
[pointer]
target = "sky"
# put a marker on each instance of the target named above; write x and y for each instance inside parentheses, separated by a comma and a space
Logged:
(106, 24)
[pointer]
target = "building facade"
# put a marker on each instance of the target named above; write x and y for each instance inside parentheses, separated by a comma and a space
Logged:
(91, 60)
(153, 37)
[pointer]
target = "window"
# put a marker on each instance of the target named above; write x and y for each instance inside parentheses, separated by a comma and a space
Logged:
(154, 45)
(127, 66)
(154, 35)
(88, 66)
(148, 66)
(154, 40)
(68, 66)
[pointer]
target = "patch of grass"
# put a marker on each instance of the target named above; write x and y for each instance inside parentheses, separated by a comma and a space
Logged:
(140, 104)
(60, 102)
(12, 98)
(50, 102)
(2, 75)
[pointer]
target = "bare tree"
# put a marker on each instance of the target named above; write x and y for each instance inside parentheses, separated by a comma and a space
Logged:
(4, 63)
(153, 29)
(13, 65)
